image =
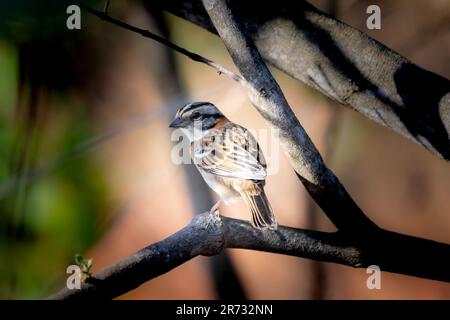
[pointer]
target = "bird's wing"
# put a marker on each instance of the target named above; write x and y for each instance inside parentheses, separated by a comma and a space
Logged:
(230, 151)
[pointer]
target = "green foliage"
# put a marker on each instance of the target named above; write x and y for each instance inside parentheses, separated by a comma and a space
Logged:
(84, 264)
(52, 196)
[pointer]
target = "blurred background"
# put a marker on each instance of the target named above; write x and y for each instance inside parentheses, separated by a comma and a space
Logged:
(85, 154)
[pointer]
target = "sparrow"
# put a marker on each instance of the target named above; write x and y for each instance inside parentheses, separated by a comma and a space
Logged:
(229, 159)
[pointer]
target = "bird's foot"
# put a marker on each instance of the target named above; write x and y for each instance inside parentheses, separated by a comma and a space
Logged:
(215, 209)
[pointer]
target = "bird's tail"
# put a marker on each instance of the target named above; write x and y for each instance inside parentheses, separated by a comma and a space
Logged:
(262, 215)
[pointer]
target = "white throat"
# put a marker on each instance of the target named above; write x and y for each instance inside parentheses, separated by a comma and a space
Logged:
(193, 135)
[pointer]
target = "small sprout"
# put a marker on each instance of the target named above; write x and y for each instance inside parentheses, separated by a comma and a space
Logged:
(89, 263)
(78, 259)
(85, 266)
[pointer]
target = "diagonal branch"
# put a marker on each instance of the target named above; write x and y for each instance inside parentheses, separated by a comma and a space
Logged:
(150, 35)
(344, 64)
(266, 95)
(209, 235)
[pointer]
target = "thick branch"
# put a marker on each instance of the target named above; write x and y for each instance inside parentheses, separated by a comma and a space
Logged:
(344, 64)
(203, 236)
(209, 235)
(267, 97)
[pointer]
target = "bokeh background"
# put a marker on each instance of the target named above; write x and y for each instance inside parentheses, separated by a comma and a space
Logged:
(85, 154)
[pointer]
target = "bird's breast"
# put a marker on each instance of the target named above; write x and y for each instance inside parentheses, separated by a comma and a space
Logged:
(224, 187)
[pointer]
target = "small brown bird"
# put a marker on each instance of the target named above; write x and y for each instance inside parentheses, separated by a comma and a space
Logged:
(229, 159)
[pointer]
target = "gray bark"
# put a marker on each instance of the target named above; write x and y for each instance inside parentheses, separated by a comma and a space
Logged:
(358, 242)
(344, 64)
(209, 235)
(224, 276)
(267, 97)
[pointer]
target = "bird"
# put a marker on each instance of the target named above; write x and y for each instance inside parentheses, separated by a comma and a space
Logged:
(228, 158)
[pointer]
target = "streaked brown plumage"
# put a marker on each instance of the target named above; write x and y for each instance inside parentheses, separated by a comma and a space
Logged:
(229, 159)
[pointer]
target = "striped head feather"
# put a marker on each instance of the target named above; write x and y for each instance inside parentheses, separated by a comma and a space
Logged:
(197, 115)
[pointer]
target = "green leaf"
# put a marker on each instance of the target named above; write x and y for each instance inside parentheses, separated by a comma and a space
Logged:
(89, 263)
(79, 259)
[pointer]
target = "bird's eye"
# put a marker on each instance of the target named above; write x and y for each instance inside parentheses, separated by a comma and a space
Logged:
(196, 115)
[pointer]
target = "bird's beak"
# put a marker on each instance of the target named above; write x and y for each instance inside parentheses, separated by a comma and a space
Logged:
(176, 123)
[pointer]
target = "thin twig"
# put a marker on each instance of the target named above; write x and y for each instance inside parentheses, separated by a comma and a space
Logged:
(147, 34)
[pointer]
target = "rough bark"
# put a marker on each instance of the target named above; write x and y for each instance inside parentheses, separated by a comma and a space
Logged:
(358, 243)
(226, 281)
(266, 95)
(268, 98)
(209, 235)
(344, 64)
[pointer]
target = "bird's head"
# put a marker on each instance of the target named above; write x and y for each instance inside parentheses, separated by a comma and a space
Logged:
(196, 116)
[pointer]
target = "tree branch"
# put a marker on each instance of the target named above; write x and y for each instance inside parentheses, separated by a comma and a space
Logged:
(343, 63)
(264, 92)
(147, 34)
(209, 235)
(227, 284)
(266, 95)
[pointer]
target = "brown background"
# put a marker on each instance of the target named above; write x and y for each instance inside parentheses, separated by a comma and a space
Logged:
(400, 185)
